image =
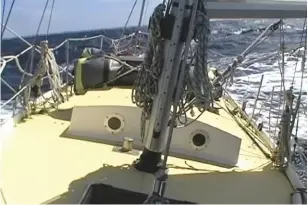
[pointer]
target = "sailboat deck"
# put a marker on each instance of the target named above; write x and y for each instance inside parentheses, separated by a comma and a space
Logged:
(40, 166)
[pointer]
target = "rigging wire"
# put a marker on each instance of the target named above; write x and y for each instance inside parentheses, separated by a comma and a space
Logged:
(145, 12)
(281, 70)
(50, 16)
(3, 10)
(40, 23)
(130, 14)
(296, 112)
(31, 56)
(301, 41)
(281, 65)
(302, 79)
(7, 18)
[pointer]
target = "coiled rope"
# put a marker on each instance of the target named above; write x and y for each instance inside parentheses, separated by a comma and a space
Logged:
(196, 82)
(49, 66)
(146, 85)
(199, 83)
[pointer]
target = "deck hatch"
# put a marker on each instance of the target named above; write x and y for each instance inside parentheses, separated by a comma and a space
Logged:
(107, 194)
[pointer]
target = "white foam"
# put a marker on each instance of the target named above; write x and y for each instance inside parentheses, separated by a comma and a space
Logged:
(249, 85)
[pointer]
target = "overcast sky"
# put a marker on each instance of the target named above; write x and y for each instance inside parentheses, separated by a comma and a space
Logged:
(73, 15)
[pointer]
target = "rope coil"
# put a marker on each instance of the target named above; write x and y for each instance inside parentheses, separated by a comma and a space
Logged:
(47, 66)
(196, 82)
(199, 83)
(146, 85)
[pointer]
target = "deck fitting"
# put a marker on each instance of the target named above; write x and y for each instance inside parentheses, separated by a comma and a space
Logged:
(148, 162)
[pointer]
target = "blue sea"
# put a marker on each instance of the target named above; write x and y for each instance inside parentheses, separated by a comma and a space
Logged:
(228, 39)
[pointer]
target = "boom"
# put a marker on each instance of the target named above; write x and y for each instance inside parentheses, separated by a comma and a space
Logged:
(221, 9)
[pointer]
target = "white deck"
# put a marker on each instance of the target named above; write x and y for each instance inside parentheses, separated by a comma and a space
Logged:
(39, 166)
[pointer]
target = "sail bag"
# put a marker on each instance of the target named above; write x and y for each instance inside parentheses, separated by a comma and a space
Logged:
(93, 72)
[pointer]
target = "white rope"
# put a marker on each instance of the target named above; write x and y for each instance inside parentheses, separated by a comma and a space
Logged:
(3, 59)
(3, 64)
(59, 46)
(49, 66)
(81, 39)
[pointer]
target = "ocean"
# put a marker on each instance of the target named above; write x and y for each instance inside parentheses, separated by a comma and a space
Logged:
(228, 39)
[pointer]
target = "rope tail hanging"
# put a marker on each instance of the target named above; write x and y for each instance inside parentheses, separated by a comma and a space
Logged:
(48, 66)
(146, 85)
(198, 81)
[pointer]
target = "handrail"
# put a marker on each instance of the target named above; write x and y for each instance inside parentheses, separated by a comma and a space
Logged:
(4, 60)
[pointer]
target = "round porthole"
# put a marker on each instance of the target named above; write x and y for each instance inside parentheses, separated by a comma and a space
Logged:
(114, 123)
(199, 139)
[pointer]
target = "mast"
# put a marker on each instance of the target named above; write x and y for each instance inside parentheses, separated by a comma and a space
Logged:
(178, 26)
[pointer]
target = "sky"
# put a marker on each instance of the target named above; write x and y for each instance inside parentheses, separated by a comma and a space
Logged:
(73, 15)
